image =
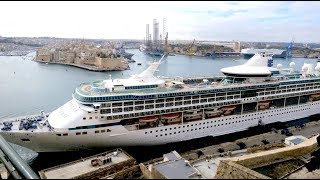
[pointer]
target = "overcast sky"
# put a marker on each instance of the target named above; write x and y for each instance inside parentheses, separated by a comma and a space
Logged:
(242, 20)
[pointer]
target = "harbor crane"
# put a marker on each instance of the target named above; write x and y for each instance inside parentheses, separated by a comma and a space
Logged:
(166, 46)
(190, 50)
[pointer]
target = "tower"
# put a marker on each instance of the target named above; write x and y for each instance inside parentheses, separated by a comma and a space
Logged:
(164, 29)
(155, 33)
(147, 35)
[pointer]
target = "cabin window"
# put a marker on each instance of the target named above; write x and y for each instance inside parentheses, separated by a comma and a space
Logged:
(24, 140)
(103, 131)
(90, 117)
(96, 131)
(84, 118)
(66, 134)
(78, 133)
(58, 134)
(84, 132)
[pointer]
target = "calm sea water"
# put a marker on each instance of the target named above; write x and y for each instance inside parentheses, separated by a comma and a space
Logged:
(27, 87)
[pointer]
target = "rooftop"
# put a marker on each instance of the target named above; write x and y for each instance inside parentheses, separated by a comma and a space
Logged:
(83, 166)
(177, 169)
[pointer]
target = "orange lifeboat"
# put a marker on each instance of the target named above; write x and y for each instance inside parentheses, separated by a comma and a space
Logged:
(149, 118)
(170, 116)
(228, 108)
(264, 102)
(315, 97)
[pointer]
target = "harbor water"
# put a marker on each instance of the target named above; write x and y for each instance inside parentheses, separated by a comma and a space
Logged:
(28, 87)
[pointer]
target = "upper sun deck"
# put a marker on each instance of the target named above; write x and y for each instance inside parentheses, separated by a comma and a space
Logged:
(146, 86)
(86, 93)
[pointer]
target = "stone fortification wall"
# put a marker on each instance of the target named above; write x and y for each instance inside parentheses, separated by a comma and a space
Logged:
(256, 159)
(231, 170)
(239, 167)
(112, 63)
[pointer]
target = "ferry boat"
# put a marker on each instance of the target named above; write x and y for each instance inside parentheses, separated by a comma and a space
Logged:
(130, 112)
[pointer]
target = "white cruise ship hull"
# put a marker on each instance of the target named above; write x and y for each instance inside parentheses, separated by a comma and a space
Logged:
(121, 136)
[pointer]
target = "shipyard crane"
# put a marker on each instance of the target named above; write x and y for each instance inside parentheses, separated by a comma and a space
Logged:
(166, 46)
(190, 50)
(289, 49)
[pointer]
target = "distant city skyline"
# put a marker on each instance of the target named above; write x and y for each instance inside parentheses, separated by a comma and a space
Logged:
(253, 21)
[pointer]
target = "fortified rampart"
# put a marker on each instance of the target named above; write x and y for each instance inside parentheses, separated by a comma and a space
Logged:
(240, 167)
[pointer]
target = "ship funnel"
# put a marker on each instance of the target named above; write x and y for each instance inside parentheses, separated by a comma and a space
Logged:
(256, 66)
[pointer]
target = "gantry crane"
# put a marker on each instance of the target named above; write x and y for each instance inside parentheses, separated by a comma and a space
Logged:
(166, 46)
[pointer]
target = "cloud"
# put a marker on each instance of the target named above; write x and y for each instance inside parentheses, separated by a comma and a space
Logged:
(204, 20)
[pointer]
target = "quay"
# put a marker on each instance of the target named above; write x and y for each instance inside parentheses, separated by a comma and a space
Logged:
(223, 54)
(97, 166)
(90, 68)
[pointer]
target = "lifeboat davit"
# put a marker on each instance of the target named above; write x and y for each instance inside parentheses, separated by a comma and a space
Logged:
(170, 116)
(149, 118)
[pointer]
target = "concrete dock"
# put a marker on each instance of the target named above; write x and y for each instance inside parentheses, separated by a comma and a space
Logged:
(86, 168)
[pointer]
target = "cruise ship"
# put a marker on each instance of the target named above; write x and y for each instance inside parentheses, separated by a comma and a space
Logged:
(149, 110)
(277, 53)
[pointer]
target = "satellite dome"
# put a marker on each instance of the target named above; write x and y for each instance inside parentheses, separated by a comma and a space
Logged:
(279, 66)
(292, 64)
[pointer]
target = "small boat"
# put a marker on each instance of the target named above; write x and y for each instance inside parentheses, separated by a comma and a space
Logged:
(213, 112)
(229, 108)
(263, 105)
(264, 102)
(192, 115)
(171, 118)
(148, 119)
(315, 97)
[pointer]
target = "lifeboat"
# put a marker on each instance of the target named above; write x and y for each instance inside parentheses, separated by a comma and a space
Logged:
(315, 97)
(263, 105)
(229, 108)
(264, 102)
(192, 116)
(148, 119)
(171, 116)
(213, 112)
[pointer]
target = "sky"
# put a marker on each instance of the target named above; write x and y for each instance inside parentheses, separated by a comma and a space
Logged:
(267, 21)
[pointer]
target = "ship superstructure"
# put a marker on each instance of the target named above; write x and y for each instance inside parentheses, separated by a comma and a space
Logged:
(147, 110)
(276, 53)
